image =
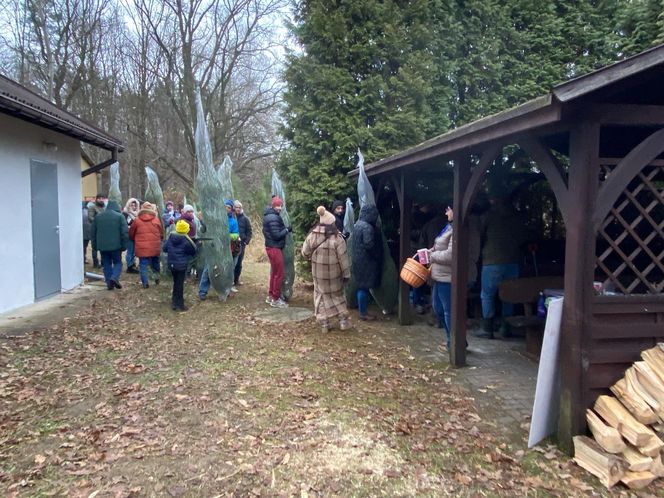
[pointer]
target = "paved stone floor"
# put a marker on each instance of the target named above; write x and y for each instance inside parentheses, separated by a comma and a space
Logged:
(499, 375)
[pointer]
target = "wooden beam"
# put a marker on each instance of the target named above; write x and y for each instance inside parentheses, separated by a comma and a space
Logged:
(627, 169)
(99, 167)
(624, 114)
(579, 269)
(459, 264)
(405, 210)
(479, 172)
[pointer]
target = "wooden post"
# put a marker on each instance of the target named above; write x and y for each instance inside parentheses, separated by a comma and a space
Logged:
(579, 270)
(405, 212)
(460, 264)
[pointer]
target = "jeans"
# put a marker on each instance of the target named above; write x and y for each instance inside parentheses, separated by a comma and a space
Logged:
(112, 263)
(178, 288)
(441, 300)
(129, 255)
(362, 301)
(95, 253)
(277, 271)
(492, 275)
(204, 284)
(151, 261)
(238, 264)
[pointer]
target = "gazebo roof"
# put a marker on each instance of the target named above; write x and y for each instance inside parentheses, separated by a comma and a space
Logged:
(18, 101)
(610, 84)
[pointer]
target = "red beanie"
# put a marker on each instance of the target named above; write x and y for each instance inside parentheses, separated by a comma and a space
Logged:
(276, 201)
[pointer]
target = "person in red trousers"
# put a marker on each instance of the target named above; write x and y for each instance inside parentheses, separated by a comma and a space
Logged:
(275, 233)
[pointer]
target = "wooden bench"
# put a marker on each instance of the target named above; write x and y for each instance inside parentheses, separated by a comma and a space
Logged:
(525, 292)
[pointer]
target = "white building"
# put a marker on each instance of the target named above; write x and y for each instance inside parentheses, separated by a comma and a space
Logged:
(41, 247)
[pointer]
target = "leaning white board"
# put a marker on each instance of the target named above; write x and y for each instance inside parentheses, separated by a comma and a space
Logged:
(547, 393)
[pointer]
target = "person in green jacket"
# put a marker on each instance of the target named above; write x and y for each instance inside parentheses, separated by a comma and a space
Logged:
(110, 232)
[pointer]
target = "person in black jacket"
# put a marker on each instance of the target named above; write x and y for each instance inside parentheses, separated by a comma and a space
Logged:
(180, 249)
(275, 233)
(339, 211)
(367, 257)
(245, 237)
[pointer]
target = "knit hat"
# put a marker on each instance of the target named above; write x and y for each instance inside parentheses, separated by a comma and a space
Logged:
(169, 203)
(188, 207)
(229, 203)
(337, 203)
(182, 227)
(148, 206)
(326, 218)
(276, 201)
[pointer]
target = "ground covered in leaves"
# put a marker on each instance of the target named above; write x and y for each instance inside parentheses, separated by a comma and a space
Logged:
(128, 398)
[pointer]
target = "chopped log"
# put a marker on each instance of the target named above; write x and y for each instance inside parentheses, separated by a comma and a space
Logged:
(634, 403)
(636, 461)
(653, 448)
(657, 467)
(654, 357)
(637, 480)
(616, 415)
(606, 436)
(649, 380)
(633, 383)
(608, 468)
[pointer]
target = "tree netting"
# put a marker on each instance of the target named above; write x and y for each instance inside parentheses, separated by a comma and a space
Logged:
(114, 189)
(216, 251)
(289, 248)
(350, 289)
(224, 173)
(387, 294)
(153, 193)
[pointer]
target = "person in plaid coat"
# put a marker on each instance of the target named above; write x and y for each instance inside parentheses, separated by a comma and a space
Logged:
(326, 248)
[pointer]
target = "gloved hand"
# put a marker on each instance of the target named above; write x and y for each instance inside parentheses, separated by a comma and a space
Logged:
(290, 229)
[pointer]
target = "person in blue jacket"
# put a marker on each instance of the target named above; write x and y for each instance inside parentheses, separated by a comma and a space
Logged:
(180, 249)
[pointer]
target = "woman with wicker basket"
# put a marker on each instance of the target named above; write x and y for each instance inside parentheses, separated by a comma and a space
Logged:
(441, 273)
(326, 248)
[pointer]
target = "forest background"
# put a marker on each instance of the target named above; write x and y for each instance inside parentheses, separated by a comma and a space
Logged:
(301, 85)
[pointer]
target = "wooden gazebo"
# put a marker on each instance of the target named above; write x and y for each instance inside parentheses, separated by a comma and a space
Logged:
(599, 140)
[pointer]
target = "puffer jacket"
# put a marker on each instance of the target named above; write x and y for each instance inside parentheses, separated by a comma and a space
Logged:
(180, 249)
(367, 249)
(274, 230)
(441, 257)
(329, 259)
(109, 229)
(147, 233)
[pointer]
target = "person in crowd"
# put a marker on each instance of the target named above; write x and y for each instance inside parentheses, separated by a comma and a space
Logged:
(504, 232)
(275, 233)
(147, 233)
(189, 217)
(130, 212)
(326, 248)
(234, 233)
(87, 232)
(94, 208)
(339, 210)
(441, 273)
(170, 216)
(367, 260)
(110, 235)
(244, 225)
(180, 249)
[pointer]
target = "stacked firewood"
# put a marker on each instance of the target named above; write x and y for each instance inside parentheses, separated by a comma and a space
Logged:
(628, 428)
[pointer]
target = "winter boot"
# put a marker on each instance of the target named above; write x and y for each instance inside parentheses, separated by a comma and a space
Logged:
(344, 323)
(325, 327)
(487, 329)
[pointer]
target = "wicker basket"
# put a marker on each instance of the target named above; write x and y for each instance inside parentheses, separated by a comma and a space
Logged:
(414, 273)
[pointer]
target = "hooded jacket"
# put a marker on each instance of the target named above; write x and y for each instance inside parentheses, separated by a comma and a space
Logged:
(180, 249)
(441, 256)
(329, 259)
(109, 229)
(147, 233)
(245, 228)
(367, 250)
(274, 230)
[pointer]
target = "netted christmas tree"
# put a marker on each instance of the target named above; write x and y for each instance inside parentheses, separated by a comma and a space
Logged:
(289, 248)
(209, 189)
(350, 289)
(387, 293)
(224, 173)
(114, 189)
(153, 193)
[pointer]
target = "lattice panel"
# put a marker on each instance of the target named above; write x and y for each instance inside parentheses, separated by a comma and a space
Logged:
(630, 242)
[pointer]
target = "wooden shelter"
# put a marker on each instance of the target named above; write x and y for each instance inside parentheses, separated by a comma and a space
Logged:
(599, 141)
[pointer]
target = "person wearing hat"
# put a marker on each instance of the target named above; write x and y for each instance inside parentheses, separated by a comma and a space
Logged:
(147, 233)
(180, 249)
(244, 224)
(326, 248)
(367, 257)
(130, 212)
(189, 217)
(338, 210)
(169, 217)
(275, 233)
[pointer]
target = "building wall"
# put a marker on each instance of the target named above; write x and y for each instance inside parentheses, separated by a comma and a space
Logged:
(19, 143)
